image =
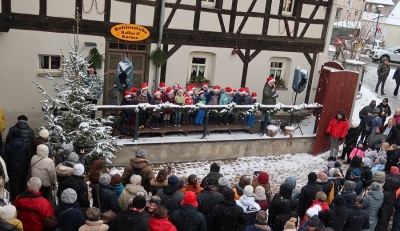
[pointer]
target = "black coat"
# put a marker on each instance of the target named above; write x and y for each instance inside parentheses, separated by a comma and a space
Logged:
(393, 136)
(335, 217)
(352, 136)
(171, 198)
(281, 203)
(357, 220)
(226, 216)
(392, 157)
(81, 188)
(348, 198)
(129, 220)
(187, 218)
(326, 186)
(207, 200)
(4, 226)
(367, 180)
(215, 175)
(307, 195)
(356, 163)
(18, 150)
(70, 220)
(108, 199)
(389, 200)
(281, 220)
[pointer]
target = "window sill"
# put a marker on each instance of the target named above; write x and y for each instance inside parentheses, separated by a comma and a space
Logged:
(52, 73)
(208, 6)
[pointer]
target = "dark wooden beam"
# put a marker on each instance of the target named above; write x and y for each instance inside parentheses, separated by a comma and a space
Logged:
(43, 7)
(310, 78)
(327, 17)
(163, 73)
(6, 6)
(239, 30)
(157, 10)
(245, 67)
(133, 11)
(232, 17)
(78, 8)
(171, 15)
(173, 50)
(221, 22)
(308, 57)
(303, 32)
(241, 55)
(299, 8)
(254, 54)
(107, 11)
(287, 27)
(196, 20)
(267, 14)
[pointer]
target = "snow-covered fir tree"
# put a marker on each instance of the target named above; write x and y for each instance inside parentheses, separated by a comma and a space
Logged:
(67, 115)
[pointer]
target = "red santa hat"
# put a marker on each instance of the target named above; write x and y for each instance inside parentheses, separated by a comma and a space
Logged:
(201, 91)
(216, 88)
(162, 86)
(133, 90)
(144, 86)
(254, 95)
(170, 90)
(234, 91)
(242, 90)
(228, 90)
(193, 87)
(270, 80)
(247, 90)
(204, 85)
(180, 89)
(157, 92)
(189, 90)
(127, 94)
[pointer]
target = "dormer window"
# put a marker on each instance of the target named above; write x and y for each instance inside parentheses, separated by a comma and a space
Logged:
(287, 7)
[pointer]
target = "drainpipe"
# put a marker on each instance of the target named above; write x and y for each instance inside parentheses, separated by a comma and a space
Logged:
(160, 34)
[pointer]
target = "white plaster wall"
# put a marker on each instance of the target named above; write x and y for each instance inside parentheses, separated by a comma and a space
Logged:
(61, 8)
(144, 15)
(259, 7)
(392, 37)
(18, 95)
(120, 12)
(183, 19)
(209, 22)
(25, 6)
(94, 13)
(253, 26)
(308, 9)
(243, 6)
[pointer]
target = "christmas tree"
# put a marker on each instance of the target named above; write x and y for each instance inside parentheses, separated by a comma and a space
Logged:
(67, 115)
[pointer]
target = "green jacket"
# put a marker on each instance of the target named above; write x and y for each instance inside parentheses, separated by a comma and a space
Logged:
(383, 70)
(267, 95)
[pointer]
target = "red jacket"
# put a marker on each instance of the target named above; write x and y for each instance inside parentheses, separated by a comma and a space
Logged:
(338, 128)
(163, 224)
(32, 210)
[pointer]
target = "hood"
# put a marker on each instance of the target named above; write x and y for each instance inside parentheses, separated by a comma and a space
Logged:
(131, 218)
(154, 182)
(64, 206)
(170, 190)
(248, 204)
(348, 196)
(391, 184)
(134, 189)
(356, 161)
(63, 170)
(228, 207)
(188, 211)
(376, 195)
(340, 210)
(96, 165)
(22, 125)
(139, 162)
(285, 191)
(291, 181)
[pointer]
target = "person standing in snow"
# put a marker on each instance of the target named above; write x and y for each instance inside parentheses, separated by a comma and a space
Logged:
(363, 115)
(383, 73)
(337, 131)
(248, 204)
(94, 84)
(384, 110)
(308, 193)
(269, 98)
(139, 165)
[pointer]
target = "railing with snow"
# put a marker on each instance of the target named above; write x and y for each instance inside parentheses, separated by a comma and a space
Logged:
(251, 109)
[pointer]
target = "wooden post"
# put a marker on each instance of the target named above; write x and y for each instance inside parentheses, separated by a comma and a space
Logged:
(135, 132)
(245, 67)
(206, 124)
(310, 79)
(43, 7)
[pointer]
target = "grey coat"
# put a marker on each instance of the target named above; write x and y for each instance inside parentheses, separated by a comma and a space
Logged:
(372, 202)
(268, 98)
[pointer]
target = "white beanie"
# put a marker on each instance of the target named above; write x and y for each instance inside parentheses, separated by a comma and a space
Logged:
(105, 179)
(68, 196)
(79, 169)
(7, 212)
(44, 133)
(248, 191)
(42, 150)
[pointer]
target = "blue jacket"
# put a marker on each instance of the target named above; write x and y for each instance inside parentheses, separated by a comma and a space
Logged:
(70, 220)
(118, 189)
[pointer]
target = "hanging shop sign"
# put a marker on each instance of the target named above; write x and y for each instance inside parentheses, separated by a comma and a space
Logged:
(130, 32)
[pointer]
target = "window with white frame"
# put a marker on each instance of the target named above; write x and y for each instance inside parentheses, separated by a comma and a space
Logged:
(200, 65)
(277, 68)
(208, 3)
(49, 62)
(287, 7)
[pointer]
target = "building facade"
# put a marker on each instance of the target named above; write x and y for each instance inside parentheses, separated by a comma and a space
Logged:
(232, 43)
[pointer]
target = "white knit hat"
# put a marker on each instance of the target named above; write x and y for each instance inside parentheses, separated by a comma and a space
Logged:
(42, 150)
(79, 169)
(44, 133)
(68, 196)
(248, 191)
(7, 212)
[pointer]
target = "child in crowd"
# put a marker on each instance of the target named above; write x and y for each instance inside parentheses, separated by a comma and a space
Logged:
(213, 99)
(251, 118)
(179, 100)
(225, 99)
(116, 183)
(142, 98)
(359, 150)
(201, 100)
(156, 115)
(371, 153)
(380, 163)
(188, 101)
(9, 214)
(169, 97)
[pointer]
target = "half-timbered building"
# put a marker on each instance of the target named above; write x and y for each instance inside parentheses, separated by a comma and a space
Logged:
(231, 42)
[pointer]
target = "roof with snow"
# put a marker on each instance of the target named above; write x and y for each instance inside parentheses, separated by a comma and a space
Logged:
(382, 2)
(347, 24)
(394, 16)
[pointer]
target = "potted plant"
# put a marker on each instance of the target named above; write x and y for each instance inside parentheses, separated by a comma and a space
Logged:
(280, 83)
(197, 80)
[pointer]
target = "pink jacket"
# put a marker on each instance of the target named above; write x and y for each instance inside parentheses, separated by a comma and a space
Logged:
(356, 151)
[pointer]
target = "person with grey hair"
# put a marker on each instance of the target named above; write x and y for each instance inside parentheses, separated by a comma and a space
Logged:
(93, 221)
(139, 165)
(372, 203)
(348, 193)
(130, 191)
(31, 200)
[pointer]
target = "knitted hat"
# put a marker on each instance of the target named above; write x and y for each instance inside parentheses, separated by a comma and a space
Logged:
(259, 191)
(79, 169)
(155, 200)
(248, 191)
(291, 224)
(141, 153)
(312, 212)
(215, 167)
(333, 172)
(263, 178)
(73, 159)
(7, 212)
(223, 181)
(331, 164)
(190, 199)
(356, 173)
(394, 170)
(68, 148)
(138, 202)
(173, 180)
(312, 176)
(44, 133)
(42, 150)
(22, 117)
(228, 90)
(270, 80)
(229, 195)
(338, 200)
(322, 177)
(382, 160)
(385, 100)
(313, 221)
(349, 186)
(68, 196)
(375, 186)
(105, 179)
(379, 177)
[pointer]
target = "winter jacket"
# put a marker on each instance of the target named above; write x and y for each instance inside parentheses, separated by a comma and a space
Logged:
(356, 152)
(207, 200)
(389, 200)
(63, 172)
(268, 98)
(262, 202)
(356, 163)
(38, 141)
(179, 100)
(226, 216)
(335, 217)
(357, 220)
(43, 167)
(307, 195)
(393, 136)
(352, 136)
(326, 186)
(348, 198)
(170, 100)
(129, 220)
(258, 227)
(224, 99)
(187, 218)
(338, 128)
(98, 168)
(215, 175)
(78, 184)
(386, 109)
(188, 99)
(376, 139)
(18, 150)
(5, 226)
(139, 166)
(95, 85)
(94, 226)
(118, 188)
(383, 70)
(155, 186)
(2, 120)
(32, 210)
(128, 193)
(238, 99)
(392, 159)
(107, 198)
(71, 219)
(250, 207)
(171, 198)
(283, 201)
(366, 111)
(281, 220)
(372, 203)
(162, 224)
(373, 121)
(196, 189)
(396, 75)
